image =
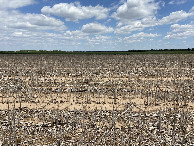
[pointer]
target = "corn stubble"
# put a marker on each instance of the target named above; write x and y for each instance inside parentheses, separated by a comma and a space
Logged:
(96, 100)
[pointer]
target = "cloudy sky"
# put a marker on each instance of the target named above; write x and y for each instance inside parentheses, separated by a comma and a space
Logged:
(96, 24)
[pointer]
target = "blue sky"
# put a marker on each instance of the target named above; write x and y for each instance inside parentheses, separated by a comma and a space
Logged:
(102, 25)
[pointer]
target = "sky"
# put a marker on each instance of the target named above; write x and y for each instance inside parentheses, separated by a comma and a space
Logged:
(96, 25)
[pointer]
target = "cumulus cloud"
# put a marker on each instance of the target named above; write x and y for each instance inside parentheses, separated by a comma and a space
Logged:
(135, 9)
(178, 27)
(138, 25)
(178, 2)
(135, 15)
(175, 17)
(25, 39)
(144, 35)
(96, 28)
(13, 4)
(40, 21)
(180, 31)
(140, 37)
(17, 20)
(75, 35)
(98, 39)
(17, 34)
(192, 10)
(75, 12)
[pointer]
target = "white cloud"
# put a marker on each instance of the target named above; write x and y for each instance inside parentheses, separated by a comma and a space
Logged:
(75, 35)
(143, 35)
(17, 20)
(138, 25)
(98, 39)
(178, 2)
(140, 37)
(180, 31)
(39, 21)
(75, 12)
(30, 31)
(13, 4)
(24, 39)
(175, 17)
(17, 34)
(136, 15)
(13, 19)
(178, 28)
(192, 10)
(129, 28)
(96, 28)
(135, 9)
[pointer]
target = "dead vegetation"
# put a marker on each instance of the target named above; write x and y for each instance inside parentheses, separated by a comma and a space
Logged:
(96, 100)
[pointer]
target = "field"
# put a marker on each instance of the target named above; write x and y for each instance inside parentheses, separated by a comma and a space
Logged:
(79, 99)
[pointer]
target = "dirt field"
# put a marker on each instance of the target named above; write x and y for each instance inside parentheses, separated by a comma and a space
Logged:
(96, 99)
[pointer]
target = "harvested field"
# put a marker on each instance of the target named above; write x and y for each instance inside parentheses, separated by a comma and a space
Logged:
(96, 99)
